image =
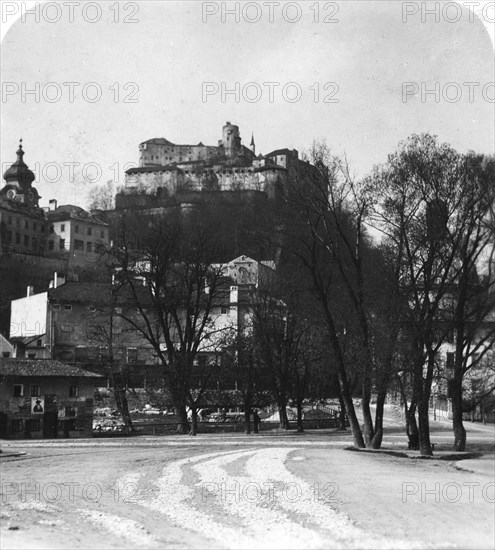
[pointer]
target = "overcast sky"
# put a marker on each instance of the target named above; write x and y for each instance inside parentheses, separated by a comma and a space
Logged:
(163, 59)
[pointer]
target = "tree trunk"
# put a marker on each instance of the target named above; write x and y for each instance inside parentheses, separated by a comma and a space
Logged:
(183, 425)
(120, 397)
(376, 442)
(194, 421)
(351, 413)
(282, 411)
(368, 430)
(247, 419)
(342, 412)
(459, 430)
(412, 427)
(424, 428)
(300, 427)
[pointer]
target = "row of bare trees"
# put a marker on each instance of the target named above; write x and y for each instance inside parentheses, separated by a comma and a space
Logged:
(402, 259)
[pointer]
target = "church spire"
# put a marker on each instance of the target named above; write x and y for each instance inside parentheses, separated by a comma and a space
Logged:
(253, 146)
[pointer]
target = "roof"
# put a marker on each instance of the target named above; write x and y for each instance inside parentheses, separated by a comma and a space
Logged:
(17, 207)
(159, 141)
(41, 367)
(85, 293)
(26, 340)
(279, 152)
(154, 168)
(69, 211)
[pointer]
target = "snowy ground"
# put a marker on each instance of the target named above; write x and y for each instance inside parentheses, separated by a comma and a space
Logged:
(230, 491)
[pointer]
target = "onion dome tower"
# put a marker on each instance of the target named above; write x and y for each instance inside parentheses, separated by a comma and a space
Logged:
(18, 179)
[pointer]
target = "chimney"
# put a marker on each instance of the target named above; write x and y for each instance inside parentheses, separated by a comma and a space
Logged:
(30, 291)
(53, 204)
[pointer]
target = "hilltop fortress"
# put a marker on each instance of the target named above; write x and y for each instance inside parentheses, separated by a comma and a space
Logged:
(178, 175)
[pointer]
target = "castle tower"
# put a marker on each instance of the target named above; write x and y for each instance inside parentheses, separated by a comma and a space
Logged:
(231, 140)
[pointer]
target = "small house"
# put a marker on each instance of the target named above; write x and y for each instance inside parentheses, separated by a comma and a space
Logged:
(44, 398)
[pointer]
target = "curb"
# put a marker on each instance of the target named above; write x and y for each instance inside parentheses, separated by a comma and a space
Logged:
(399, 454)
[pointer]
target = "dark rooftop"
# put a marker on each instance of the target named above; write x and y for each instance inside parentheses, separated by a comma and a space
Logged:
(84, 293)
(41, 367)
(69, 211)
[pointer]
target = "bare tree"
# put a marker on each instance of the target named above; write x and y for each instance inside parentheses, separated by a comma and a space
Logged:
(165, 272)
(102, 197)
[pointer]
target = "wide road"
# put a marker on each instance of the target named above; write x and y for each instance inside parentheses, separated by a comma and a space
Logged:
(232, 491)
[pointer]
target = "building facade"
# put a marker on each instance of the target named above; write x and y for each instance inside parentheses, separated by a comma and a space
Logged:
(42, 398)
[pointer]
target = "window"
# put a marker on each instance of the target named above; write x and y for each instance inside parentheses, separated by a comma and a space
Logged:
(62, 227)
(201, 360)
(26, 241)
(62, 244)
(52, 230)
(31, 355)
(78, 245)
(35, 390)
(67, 307)
(35, 243)
(9, 236)
(73, 391)
(50, 245)
(56, 306)
(17, 238)
(18, 390)
(89, 246)
(224, 311)
(102, 234)
(5, 353)
(33, 425)
(132, 355)
(76, 229)
(26, 225)
(17, 425)
(39, 342)
(90, 231)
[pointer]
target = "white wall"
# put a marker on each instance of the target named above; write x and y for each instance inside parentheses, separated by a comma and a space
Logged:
(28, 317)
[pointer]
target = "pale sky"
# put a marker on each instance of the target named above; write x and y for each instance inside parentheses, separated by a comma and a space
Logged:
(169, 52)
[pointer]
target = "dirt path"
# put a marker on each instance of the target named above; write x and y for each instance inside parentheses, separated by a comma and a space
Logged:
(291, 493)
